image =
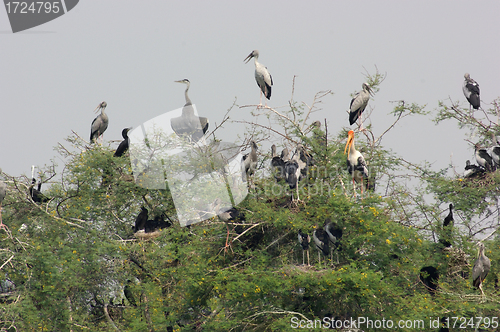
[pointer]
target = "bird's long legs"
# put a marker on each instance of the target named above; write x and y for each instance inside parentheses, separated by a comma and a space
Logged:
(2, 225)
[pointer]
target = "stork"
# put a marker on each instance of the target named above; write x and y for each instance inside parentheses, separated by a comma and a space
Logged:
(471, 92)
(472, 171)
(445, 237)
(303, 158)
(304, 240)
(262, 76)
(249, 162)
(429, 276)
(123, 147)
(277, 165)
(484, 159)
(127, 291)
(356, 164)
(292, 175)
(100, 123)
(322, 242)
(481, 268)
(36, 194)
(188, 124)
(227, 215)
(334, 233)
(358, 104)
(3, 193)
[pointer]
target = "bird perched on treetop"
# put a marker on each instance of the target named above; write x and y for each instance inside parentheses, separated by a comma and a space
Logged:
(123, 147)
(356, 164)
(100, 123)
(471, 92)
(358, 104)
(262, 76)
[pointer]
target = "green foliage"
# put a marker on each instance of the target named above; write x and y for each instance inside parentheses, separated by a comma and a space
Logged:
(73, 256)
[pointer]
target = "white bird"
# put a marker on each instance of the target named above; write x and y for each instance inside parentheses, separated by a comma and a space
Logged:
(188, 124)
(472, 170)
(471, 92)
(249, 162)
(3, 193)
(484, 159)
(100, 123)
(358, 104)
(356, 164)
(262, 76)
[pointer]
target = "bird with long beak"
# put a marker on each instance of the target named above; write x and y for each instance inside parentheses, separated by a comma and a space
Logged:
(100, 123)
(262, 76)
(359, 103)
(356, 164)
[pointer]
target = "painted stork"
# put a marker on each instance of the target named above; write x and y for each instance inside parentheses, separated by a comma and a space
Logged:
(334, 233)
(304, 240)
(188, 124)
(249, 162)
(481, 269)
(429, 276)
(322, 242)
(484, 159)
(472, 171)
(123, 147)
(358, 104)
(445, 237)
(356, 164)
(262, 76)
(100, 123)
(142, 218)
(471, 92)
(3, 193)
(277, 165)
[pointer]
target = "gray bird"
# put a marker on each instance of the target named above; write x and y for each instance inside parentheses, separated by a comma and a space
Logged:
(277, 165)
(249, 162)
(100, 123)
(3, 193)
(188, 124)
(471, 92)
(481, 269)
(358, 104)
(262, 76)
(334, 233)
(304, 240)
(322, 242)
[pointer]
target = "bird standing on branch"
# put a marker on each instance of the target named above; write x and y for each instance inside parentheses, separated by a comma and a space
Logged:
(100, 123)
(262, 76)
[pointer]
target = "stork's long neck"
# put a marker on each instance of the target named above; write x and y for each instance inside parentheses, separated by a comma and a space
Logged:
(188, 101)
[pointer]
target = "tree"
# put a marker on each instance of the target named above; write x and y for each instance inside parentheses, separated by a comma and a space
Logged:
(72, 257)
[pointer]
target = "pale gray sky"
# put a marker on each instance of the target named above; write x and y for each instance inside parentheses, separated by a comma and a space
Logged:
(129, 53)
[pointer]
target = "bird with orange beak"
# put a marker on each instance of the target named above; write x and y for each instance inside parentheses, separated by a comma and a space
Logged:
(356, 164)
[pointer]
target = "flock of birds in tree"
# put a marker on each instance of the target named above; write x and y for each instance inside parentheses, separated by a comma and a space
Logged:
(292, 170)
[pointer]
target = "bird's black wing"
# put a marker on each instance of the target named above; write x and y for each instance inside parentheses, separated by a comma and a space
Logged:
(122, 148)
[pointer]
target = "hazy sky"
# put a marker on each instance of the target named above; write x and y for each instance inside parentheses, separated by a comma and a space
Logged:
(129, 53)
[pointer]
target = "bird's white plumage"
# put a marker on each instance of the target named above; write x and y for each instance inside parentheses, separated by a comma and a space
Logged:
(359, 103)
(262, 75)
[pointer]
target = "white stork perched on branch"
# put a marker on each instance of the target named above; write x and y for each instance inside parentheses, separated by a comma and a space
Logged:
(356, 164)
(358, 104)
(262, 76)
